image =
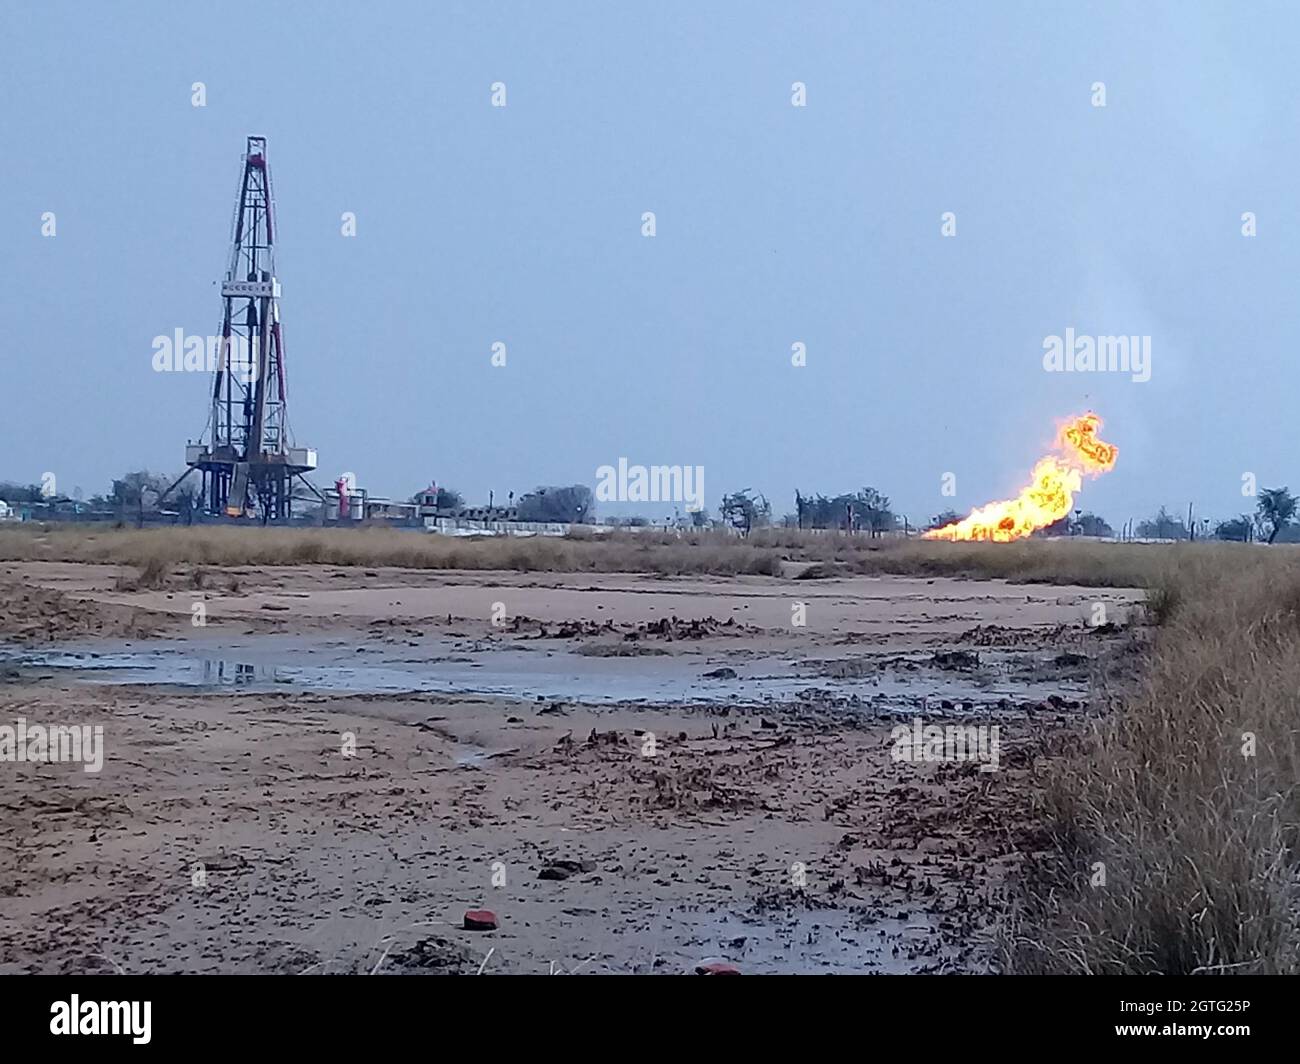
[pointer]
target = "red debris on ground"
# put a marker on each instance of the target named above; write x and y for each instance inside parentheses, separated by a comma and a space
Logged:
(480, 920)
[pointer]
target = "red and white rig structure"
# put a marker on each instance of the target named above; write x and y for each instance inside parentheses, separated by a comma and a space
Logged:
(246, 454)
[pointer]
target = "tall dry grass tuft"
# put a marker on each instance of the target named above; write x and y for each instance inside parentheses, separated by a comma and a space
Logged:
(153, 574)
(1177, 830)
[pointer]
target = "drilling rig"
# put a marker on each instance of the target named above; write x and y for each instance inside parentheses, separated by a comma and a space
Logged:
(246, 455)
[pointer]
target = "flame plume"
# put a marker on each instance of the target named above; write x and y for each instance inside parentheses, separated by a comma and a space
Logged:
(1048, 496)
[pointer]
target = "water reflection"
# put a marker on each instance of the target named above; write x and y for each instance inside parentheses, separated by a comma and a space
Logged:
(234, 673)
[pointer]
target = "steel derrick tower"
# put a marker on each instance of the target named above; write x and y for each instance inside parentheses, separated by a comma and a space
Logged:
(246, 456)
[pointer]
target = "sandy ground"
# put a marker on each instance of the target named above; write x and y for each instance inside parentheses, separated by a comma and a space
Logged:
(893, 608)
(235, 830)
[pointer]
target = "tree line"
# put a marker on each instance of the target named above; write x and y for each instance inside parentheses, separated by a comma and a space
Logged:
(866, 510)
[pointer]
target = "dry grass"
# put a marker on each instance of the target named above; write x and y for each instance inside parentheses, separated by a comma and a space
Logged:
(1197, 842)
(217, 546)
(1090, 564)
(153, 574)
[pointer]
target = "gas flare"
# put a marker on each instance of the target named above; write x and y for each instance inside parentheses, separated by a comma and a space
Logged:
(1049, 495)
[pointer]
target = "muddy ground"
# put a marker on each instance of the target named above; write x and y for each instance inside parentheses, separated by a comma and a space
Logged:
(635, 774)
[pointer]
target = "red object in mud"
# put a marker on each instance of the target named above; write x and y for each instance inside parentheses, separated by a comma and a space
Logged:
(716, 969)
(480, 920)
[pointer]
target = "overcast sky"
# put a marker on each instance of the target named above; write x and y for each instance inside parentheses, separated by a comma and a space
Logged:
(775, 225)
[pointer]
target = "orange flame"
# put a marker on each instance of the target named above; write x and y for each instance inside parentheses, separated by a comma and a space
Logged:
(1049, 496)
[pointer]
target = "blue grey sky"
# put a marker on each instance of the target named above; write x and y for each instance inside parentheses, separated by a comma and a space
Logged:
(775, 225)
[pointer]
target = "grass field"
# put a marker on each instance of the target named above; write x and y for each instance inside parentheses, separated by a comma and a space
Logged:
(1174, 830)
(1091, 564)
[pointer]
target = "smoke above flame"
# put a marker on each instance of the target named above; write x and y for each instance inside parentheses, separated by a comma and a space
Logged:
(1048, 496)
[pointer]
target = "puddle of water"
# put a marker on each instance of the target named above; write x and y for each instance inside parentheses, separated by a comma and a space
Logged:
(332, 665)
(146, 668)
(796, 942)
